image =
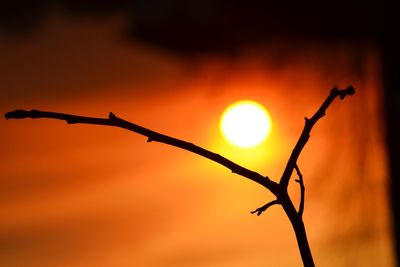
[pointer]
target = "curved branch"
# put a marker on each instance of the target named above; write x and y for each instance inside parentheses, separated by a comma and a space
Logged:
(279, 190)
(302, 190)
(309, 123)
(265, 207)
(114, 121)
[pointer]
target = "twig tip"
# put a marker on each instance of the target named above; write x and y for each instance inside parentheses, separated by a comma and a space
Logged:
(8, 115)
(351, 90)
(345, 92)
(16, 114)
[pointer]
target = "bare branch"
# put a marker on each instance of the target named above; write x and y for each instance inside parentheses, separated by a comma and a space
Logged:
(302, 190)
(114, 121)
(309, 123)
(279, 190)
(265, 207)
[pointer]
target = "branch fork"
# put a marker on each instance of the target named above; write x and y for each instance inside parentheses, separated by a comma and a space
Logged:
(278, 189)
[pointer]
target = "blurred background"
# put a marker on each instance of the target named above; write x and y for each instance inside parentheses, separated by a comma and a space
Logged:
(84, 195)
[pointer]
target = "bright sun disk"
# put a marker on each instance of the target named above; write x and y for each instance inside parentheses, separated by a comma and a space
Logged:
(245, 123)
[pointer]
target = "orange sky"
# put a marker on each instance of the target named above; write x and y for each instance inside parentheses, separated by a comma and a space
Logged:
(83, 195)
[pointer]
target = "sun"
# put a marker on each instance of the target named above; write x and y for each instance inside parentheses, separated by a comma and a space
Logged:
(245, 123)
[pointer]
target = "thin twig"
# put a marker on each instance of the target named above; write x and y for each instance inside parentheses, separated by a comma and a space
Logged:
(265, 207)
(309, 123)
(279, 190)
(302, 190)
(113, 120)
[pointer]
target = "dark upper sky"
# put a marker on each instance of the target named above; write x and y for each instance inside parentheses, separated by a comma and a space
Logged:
(210, 25)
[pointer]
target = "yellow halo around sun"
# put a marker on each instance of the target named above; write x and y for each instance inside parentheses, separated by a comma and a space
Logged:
(245, 123)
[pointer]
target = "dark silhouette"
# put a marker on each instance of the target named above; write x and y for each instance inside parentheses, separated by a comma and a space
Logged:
(280, 190)
(391, 80)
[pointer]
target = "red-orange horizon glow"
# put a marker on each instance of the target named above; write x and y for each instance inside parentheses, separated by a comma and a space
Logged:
(84, 195)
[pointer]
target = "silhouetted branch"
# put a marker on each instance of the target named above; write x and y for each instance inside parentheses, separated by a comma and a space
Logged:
(279, 190)
(265, 207)
(309, 123)
(302, 189)
(295, 216)
(113, 120)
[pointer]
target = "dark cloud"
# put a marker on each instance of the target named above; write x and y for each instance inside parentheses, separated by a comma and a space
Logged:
(212, 25)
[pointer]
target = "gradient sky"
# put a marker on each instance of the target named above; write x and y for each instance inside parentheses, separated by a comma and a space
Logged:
(84, 195)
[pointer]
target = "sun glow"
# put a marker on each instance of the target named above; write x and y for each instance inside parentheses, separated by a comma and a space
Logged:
(245, 123)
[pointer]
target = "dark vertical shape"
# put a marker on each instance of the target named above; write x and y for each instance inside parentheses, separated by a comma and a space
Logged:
(299, 229)
(390, 44)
